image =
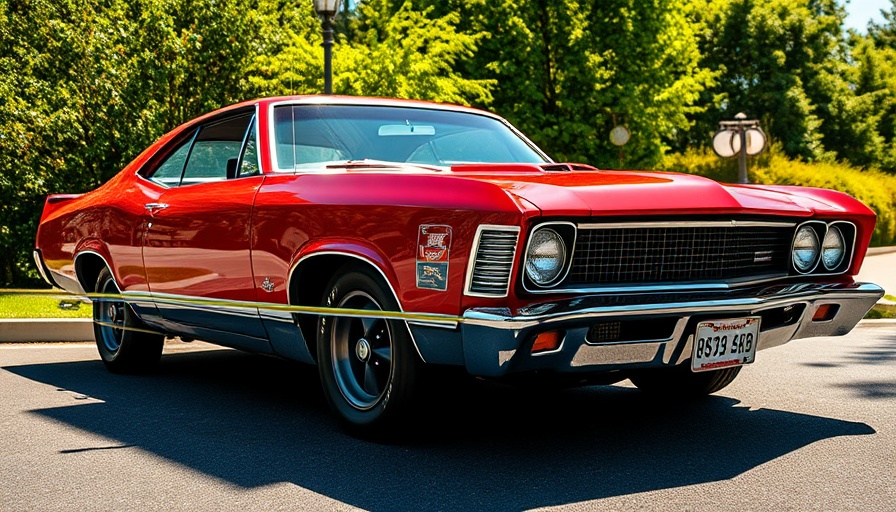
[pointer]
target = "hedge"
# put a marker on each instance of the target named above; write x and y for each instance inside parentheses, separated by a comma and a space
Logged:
(874, 188)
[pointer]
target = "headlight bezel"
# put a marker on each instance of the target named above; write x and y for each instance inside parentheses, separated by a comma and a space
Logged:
(566, 233)
(817, 230)
(832, 230)
(821, 228)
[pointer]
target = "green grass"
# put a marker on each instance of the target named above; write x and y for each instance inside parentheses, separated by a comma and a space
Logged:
(38, 304)
(883, 310)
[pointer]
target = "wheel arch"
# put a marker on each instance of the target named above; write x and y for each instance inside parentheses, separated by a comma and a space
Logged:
(88, 265)
(312, 272)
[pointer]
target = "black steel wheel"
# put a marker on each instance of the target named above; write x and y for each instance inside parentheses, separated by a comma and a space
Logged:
(121, 340)
(680, 381)
(368, 366)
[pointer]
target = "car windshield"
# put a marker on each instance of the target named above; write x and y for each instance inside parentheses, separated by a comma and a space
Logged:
(310, 136)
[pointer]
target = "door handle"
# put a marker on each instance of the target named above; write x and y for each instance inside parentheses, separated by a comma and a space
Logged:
(152, 207)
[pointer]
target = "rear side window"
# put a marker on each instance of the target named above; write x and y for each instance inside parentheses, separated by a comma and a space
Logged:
(172, 168)
(215, 146)
(210, 153)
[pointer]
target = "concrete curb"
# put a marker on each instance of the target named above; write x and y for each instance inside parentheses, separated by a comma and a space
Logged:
(874, 251)
(31, 330)
(66, 330)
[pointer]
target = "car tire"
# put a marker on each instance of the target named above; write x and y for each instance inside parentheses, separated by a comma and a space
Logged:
(121, 340)
(680, 381)
(368, 366)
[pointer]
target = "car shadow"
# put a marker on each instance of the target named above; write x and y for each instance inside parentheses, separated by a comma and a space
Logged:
(254, 421)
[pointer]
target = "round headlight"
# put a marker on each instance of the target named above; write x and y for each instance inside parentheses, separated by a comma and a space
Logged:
(546, 257)
(833, 249)
(805, 249)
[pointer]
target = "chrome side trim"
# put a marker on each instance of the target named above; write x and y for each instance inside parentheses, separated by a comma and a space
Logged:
(186, 302)
(365, 260)
(697, 224)
(276, 316)
(471, 262)
(439, 325)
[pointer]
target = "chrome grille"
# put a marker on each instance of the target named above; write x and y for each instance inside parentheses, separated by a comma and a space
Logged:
(678, 253)
(493, 262)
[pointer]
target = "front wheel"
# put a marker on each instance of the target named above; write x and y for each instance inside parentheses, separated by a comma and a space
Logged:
(121, 340)
(368, 366)
(681, 382)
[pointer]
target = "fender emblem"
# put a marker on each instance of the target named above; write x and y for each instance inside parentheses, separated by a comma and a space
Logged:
(267, 285)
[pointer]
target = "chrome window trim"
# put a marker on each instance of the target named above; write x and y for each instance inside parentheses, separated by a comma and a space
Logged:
(326, 101)
(567, 263)
(472, 259)
(696, 224)
(251, 130)
(195, 128)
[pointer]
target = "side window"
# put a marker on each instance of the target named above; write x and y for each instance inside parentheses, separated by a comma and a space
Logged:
(170, 170)
(249, 161)
(216, 151)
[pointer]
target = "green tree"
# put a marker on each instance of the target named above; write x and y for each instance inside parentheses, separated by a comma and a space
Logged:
(788, 63)
(569, 71)
(383, 49)
(85, 85)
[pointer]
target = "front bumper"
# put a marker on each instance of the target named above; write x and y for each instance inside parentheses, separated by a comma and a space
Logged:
(497, 342)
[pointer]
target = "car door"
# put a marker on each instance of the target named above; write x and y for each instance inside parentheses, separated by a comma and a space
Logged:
(197, 241)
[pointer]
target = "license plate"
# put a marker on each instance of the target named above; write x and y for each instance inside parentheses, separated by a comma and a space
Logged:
(725, 343)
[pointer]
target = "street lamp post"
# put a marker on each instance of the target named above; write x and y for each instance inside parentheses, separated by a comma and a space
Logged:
(326, 9)
(740, 137)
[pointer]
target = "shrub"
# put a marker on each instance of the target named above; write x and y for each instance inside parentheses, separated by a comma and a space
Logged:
(874, 188)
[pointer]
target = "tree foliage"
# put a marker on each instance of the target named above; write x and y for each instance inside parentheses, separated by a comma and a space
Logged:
(569, 71)
(85, 85)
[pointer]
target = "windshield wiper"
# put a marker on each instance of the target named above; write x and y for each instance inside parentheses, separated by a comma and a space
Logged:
(366, 163)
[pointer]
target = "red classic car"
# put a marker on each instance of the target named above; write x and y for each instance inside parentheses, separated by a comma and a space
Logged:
(375, 237)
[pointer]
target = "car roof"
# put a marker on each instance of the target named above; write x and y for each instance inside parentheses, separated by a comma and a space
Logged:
(351, 100)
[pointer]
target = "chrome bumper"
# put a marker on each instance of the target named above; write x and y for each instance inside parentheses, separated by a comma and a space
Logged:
(497, 342)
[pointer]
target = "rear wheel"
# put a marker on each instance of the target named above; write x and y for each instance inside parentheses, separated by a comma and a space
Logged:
(123, 347)
(681, 381)
(368, 366)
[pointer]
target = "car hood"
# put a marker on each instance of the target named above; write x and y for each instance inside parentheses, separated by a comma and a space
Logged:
(596, 192)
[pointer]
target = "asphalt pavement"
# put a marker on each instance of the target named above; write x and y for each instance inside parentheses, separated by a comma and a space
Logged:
(810, 425)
